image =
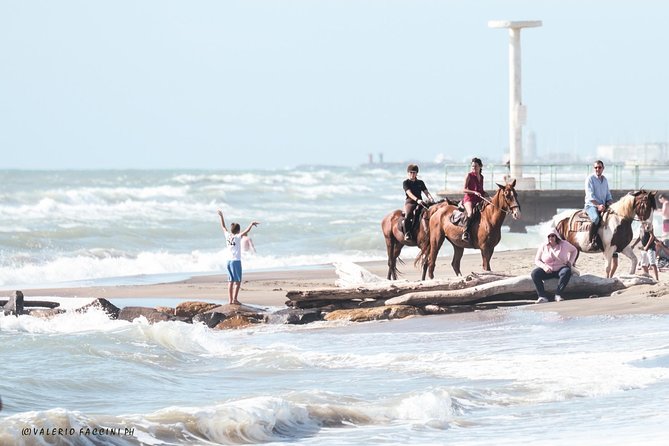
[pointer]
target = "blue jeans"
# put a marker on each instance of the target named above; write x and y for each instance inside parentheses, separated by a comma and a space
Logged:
(539, 275)
(592, 212)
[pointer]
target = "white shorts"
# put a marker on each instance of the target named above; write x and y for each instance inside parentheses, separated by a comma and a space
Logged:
(648, 258)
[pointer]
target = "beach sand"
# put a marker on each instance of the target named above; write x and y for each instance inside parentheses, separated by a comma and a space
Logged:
(268, 288)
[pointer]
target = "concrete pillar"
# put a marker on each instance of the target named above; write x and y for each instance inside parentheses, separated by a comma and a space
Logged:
(517, 110)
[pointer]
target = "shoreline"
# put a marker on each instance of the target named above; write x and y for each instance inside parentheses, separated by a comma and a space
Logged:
(269, 288)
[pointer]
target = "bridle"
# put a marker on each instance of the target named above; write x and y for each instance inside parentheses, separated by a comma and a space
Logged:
(511, 208)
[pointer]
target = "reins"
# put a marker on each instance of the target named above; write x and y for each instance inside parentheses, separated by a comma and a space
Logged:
(500, 208)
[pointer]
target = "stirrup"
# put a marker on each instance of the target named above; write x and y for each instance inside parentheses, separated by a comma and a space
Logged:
(407, 237)
(465, 236)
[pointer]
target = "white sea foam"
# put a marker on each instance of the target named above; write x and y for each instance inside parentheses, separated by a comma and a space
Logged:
(351, 275)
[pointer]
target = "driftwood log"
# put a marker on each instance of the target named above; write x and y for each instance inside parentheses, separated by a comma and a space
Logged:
(380, 292)
(473, 289)
(519, 288)
(16, 304)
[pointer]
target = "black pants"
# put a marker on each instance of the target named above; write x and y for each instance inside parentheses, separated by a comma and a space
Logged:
(539, 275)
(409, 207)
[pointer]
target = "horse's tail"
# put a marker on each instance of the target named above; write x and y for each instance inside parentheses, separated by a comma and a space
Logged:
(424, 244)
(424, 253)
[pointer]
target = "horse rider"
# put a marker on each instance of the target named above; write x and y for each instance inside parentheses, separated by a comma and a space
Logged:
(597, 198)
(413, 189)
(474, 192)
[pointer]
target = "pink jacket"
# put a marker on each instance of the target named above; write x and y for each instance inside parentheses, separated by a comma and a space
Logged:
(555, 257)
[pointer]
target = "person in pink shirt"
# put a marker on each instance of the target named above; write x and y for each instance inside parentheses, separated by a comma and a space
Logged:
(554, 260)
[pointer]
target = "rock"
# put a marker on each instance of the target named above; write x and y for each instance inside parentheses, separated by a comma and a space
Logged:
(231, 316)
(167, 310)
(296, 316)
(45, 313)
(14, 305)
(191, 308)
(101, 304)
(210, 318)
(151, 314)
(373, 314)
(237, 321)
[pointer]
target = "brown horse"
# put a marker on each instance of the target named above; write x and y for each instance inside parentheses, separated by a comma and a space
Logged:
(615, 230)
(395, 237)
(485, 231)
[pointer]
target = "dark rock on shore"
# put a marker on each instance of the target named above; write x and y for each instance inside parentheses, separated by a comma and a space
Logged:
(296, 316)
(210, 318)
(104, 305)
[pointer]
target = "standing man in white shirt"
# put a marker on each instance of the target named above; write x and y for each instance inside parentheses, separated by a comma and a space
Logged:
(234, 241)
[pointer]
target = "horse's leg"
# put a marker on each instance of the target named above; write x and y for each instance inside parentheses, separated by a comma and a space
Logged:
(612, 261)
(486, 255)
(457, 256)
(437, 238)
(608, 258)
(629, 253)
(396, 254)
(390, 241)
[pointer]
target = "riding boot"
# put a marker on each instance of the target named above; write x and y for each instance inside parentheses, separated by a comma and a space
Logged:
(406, 226)
(468, 224)
(592, 237)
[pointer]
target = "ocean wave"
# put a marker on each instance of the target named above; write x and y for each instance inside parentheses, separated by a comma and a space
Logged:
(126, 268)
(245, 421)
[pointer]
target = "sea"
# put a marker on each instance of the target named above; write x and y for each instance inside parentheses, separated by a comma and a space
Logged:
(497, 377)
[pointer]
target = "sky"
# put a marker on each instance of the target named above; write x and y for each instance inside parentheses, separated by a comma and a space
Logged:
(265, 84)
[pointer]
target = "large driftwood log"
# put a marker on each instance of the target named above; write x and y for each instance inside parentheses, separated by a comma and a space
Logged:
(518, 288)
(383, 291)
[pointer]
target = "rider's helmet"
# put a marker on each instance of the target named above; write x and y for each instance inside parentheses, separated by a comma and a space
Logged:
(412, 168)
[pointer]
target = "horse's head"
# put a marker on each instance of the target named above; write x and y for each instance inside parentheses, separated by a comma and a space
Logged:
(644, 204)
(509, 199)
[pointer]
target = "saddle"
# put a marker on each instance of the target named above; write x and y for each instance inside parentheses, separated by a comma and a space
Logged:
(417, 213)
(579, 222)
(459, 216)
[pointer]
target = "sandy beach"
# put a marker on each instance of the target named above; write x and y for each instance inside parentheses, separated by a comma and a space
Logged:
(269, 288)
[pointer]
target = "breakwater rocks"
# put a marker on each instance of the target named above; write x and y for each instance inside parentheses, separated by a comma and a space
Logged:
(378, 301)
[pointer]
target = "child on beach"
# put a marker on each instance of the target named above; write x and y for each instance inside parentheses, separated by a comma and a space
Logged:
(234, 241)
(648, 254)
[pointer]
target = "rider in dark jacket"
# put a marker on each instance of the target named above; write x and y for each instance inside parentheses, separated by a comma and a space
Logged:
(413, 189)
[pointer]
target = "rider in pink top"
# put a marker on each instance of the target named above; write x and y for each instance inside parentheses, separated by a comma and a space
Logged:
(473, 191)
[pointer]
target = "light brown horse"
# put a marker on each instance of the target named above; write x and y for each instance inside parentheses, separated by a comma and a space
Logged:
(395, 237)
(615, 230)
(486, 231)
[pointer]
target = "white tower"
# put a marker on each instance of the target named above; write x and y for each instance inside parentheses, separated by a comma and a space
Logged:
(517, 110)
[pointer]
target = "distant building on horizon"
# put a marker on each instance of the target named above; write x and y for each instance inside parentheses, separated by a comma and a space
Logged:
(642, 154)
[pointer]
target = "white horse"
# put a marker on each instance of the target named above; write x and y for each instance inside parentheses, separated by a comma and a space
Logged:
(615, 230)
